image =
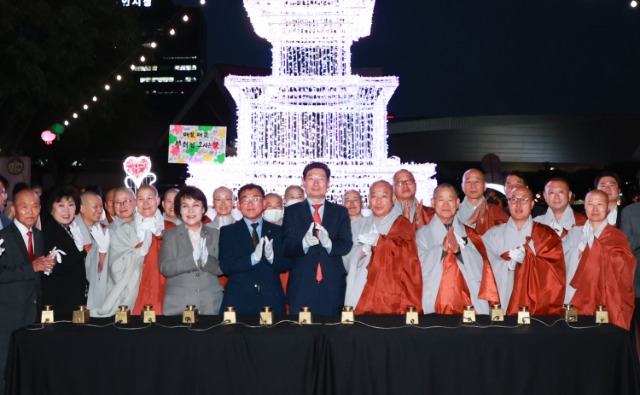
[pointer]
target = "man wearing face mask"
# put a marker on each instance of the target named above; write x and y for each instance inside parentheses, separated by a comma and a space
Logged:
(274, 211)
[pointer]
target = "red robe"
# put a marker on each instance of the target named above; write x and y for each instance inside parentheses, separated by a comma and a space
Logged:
(540, 280)
(605, 277)
(394, 279)
(152, 283)
(494, 216)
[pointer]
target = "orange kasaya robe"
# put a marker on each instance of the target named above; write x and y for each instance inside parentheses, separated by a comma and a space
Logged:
(540, 281)
(488, 286)
(605, 277)
(453, 293)
(152, 283)
(580, 219)
(494, 216)
(394, 280)
(427, 216)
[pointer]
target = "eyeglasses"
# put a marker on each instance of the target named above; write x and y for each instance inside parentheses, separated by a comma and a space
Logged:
(222, 199)
(250, 199)
(125, 202)
(317, 178)
(515, 200)
(406, 183)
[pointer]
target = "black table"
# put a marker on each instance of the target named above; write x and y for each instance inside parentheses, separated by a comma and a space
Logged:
(440, 356)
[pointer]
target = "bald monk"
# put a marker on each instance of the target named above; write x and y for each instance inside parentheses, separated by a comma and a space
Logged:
(559, 216)
(405, 192)
(474, 210)
(600, 264)
(455, 268)
(384, 275)
(527, 259)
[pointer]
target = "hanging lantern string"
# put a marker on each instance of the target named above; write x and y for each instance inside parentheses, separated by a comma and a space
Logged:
(116, 73)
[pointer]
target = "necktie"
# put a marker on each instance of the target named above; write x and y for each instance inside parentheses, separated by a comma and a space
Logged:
(30, 246)
(317, 220)
(254, 234)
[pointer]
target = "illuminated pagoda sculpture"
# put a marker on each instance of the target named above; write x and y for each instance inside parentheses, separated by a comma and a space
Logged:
(311, 108)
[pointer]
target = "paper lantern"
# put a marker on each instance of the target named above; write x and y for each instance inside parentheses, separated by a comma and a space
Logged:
(47, 137)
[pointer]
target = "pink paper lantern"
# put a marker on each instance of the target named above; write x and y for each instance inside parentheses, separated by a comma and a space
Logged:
(47, 137)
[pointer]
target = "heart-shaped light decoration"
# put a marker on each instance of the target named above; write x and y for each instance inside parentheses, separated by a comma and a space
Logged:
(137, 169)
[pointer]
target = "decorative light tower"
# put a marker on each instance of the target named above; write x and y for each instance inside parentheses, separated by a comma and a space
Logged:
(311, 108)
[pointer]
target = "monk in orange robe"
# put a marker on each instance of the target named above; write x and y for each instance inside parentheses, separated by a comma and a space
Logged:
(600, 265)
(149, 225)
(384, 275)
(455, 269)
(527, 259)
(559, 216)
(474, 210)
(405, 193)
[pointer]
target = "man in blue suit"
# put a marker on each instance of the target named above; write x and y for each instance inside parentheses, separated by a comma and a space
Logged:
(251, 255)
(317, 233)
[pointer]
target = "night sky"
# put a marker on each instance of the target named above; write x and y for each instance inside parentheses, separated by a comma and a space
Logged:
(463, 57)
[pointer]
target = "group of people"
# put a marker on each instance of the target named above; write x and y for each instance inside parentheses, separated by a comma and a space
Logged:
(302, 250)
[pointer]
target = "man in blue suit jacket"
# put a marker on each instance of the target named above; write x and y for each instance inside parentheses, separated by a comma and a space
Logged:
(253, 266)
(316, 245)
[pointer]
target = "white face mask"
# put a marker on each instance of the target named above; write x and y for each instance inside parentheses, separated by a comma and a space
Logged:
(292, 201)
(273, 215)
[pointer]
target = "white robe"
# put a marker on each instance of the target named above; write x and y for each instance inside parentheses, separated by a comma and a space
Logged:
(499, 239)
(355, 266)
(429, 240)
(97, 281)
(572, 254)
(124, 269)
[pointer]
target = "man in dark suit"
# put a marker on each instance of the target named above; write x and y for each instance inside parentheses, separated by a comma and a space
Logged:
(609, 183)
(317, 233)
(20, 271)
(253, 260)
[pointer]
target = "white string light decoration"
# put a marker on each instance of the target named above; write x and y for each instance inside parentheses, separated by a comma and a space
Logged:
(311, 108)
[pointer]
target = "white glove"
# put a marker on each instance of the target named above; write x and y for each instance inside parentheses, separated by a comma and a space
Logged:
(517, 254)
(323, 235)
(146, 243)
(460, 241)
(310, 239)
(197, 252)
(57, 254)
(77, 236)
(204, 251)
(257, 254)
(371, 238)
(268, 249)
(101, 239)
(1, 249)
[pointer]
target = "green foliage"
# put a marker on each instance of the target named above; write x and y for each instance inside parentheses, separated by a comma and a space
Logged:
(53, 57)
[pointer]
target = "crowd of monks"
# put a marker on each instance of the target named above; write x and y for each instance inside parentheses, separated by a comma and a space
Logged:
(302, 250)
